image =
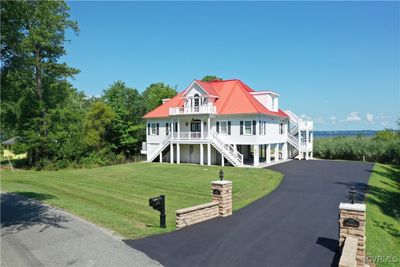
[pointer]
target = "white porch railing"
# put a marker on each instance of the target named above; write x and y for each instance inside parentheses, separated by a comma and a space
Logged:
(206, 109)
(189, 136)
(229, 152)
(160, 148)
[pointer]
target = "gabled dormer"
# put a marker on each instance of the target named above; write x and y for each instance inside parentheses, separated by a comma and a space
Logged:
(199, 97)
(199, 94)
(268, 99)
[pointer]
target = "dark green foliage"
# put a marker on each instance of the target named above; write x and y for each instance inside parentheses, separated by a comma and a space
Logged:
(383, 148)
(97, 122)
(155, 93)
(127, 129)
(209, 78)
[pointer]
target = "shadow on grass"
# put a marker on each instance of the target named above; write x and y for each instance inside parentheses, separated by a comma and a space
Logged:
(19, 212)
(387, 200)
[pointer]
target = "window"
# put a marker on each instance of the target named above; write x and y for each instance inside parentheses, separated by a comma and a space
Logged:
(223, 127)
(273, 103)
(196, 100)
(167, 128)
(154, 129)
(247, 128)
(281, 128)
(262, 127)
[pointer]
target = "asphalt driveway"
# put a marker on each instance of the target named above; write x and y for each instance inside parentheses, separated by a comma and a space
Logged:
(33, 234)
(296, 225)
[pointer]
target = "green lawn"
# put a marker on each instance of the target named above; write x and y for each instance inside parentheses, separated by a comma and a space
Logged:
(383, 213)
(116, 197)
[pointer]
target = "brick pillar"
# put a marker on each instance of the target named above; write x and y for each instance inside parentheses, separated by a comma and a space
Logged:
(352, 220)
(222, 192)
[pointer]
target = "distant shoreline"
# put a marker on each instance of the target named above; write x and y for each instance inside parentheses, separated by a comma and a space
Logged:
(328, 134)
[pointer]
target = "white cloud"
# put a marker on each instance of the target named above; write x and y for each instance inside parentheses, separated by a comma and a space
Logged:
(320, 120)
(369, 117)
(305, 117)
(353, 117)
(332, 119)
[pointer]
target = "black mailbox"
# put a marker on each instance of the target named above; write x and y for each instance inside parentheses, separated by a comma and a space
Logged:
(158, 203)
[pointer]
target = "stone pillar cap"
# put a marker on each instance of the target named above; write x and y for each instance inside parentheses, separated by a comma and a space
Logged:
(349, 206)
(221, 182)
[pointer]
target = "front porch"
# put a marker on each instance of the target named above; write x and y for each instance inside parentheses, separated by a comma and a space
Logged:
(202, 151)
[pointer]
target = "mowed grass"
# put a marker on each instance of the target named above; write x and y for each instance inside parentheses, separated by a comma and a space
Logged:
(116, 197)
(383, 215)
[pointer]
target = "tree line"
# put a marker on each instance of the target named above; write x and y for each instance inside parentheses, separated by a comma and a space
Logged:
(58, 125)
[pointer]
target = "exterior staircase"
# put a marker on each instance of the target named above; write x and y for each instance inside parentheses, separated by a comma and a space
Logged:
(296, 144)
(227, 150)
(293, 134)
(160, 148)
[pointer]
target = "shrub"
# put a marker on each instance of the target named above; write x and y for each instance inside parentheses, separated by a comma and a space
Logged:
(383, 148)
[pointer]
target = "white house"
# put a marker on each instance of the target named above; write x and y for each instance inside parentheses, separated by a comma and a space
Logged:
(225, 122)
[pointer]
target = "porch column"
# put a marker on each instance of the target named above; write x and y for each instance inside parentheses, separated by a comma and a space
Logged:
(171, 153)
(201, 155)
(276, 152)
(222, 160)
(268, 154)
(172, 129)
(201, 129)
(284, 151)
(179, 130)
(208, 153)
(256, 155)
(209, 126)
(161, 157)
(300, 150)
(178, 152)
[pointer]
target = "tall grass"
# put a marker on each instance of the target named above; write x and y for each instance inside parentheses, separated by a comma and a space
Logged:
(377, 149)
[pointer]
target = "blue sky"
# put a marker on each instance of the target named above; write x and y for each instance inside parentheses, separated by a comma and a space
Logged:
(336, 62)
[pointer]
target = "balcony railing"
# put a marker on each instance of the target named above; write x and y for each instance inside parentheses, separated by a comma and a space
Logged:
(189, 136)
(206, 109)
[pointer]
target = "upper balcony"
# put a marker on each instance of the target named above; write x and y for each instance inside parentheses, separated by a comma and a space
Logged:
(190, 110)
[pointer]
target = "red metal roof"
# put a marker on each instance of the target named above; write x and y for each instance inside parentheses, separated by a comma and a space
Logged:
(233, 98)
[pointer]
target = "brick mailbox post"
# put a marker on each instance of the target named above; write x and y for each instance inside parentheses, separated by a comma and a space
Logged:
(222, 193)
(352, 224)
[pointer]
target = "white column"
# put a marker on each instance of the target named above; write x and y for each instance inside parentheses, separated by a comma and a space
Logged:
(268, 154)
(276, 152)
(209, 126)
(171, 153)
(222, 160)
(256, 155)
(201, 155)
(284, 150)
(172, 130)
(178, 152)
(179, 129)
(209, 153)
(161, 157)
(300, 150)
(202, 129)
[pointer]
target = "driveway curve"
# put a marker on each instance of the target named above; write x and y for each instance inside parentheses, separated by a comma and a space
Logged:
(296, 225)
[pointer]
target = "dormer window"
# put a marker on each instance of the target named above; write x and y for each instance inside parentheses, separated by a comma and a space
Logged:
(196, 100)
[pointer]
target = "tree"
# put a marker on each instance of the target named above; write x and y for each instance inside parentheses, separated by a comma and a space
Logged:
(97, 120)
(209, 78)
(33, 81)
(127, 129)
(155, 93)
